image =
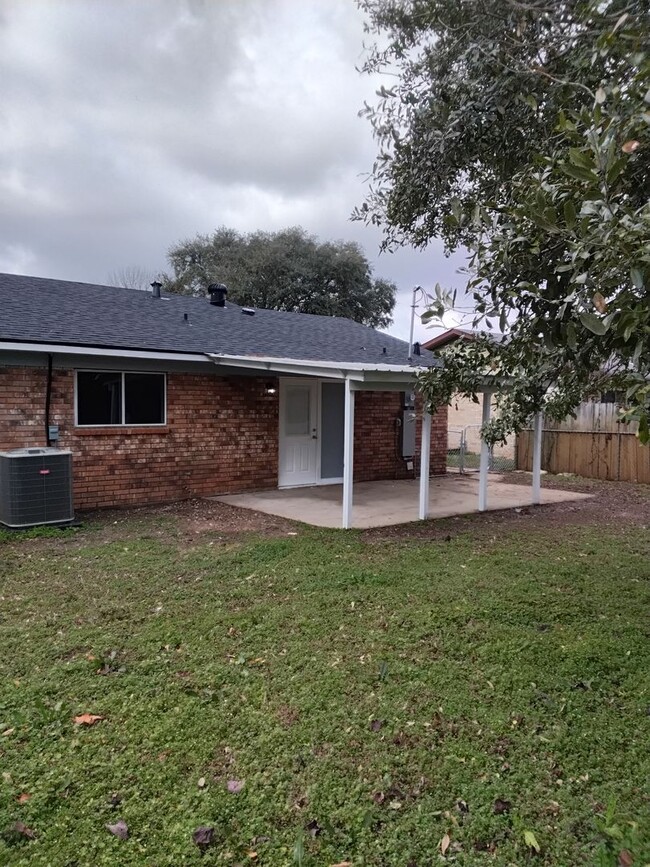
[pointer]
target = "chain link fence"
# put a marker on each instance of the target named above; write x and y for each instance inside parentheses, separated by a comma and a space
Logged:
(464, 452)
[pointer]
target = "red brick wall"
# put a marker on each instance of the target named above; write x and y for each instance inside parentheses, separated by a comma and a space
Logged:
(377, 442)
(221, 437)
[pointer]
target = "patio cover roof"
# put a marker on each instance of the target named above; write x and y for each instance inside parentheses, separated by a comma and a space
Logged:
(379, 375)
(362, 376)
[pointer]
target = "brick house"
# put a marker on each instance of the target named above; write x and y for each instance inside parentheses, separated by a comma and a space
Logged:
(164, 397)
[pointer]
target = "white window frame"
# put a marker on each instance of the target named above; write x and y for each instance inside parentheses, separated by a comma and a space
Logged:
(123, 423)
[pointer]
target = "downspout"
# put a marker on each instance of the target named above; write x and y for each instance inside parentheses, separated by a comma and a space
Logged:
(48, 399)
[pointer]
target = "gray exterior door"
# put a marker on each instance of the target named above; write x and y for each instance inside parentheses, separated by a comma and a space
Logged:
(331, 440)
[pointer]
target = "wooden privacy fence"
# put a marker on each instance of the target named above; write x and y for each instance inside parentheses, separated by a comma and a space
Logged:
(612, 456)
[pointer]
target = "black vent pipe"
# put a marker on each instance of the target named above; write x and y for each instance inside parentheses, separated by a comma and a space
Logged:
(217, 292)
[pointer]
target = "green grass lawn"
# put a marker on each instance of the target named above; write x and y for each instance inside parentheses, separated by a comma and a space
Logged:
(403, 703)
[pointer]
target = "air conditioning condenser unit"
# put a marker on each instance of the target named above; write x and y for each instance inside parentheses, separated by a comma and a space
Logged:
(35, 487)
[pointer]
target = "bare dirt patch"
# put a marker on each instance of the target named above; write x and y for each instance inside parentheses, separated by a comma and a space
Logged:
(184, 522)
(618, 504)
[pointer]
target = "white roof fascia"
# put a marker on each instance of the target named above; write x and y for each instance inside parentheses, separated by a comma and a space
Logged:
(306, 367)
(65, 349)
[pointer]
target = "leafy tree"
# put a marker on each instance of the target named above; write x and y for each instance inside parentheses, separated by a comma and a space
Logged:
(286, 270)
(522, 131)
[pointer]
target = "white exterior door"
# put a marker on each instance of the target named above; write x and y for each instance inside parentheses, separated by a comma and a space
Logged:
(298, 432)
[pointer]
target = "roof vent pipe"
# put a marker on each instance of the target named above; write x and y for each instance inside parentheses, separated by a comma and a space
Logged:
(156, 286)
(218, 294)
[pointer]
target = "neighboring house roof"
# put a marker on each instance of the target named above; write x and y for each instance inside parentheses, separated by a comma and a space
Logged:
(39, 310)
(448, 337)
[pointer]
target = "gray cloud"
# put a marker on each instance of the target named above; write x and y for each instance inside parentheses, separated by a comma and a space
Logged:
(125, 127)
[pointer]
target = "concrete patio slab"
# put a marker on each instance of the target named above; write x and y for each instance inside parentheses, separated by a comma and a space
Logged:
(383, 504)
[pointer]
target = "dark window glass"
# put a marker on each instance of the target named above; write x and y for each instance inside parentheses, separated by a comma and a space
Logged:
(144, 398)
(99, 398)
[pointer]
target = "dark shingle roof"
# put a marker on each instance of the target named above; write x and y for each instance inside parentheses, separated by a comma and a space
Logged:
(34, 309)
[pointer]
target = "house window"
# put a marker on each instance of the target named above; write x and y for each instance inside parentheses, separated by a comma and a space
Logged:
(112, 398)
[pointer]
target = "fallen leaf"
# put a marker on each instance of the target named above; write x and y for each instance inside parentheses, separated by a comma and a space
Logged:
(119, 829)
(313, 828)
(23, 798)
(88, 719)
(462, 807)
(235, 786)
(203, 837)
(625, 858)
(531, 841)
(376, 724)
(342, 864)
(252, 855)
(445, 844)
(201, 783)
(500, 807)
(395, 805)
(630, 146)
(8, 732)
(23, 830)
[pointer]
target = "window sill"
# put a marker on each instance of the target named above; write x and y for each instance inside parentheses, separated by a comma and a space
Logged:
(122, 430)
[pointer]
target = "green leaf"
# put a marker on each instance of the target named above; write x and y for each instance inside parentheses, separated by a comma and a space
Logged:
(531, 841)
(581, 158)
(636, 275)
(601, 96)
(644, 429)
(571, 336)
(615, 170)
(579, 173)
(570, 213)
(593, 323)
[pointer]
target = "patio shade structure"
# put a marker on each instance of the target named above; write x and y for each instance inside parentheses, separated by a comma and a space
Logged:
(375, 377)
(484, 466)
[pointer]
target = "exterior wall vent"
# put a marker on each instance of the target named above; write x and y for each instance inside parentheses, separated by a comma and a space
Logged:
(35, 487)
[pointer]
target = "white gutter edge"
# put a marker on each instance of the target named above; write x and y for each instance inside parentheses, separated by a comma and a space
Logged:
(334, 369)
(64, 349)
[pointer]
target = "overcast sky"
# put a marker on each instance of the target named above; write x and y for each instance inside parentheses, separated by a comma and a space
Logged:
(127, 126)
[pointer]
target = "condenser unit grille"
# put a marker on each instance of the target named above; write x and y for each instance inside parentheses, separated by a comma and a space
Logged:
(35, 487)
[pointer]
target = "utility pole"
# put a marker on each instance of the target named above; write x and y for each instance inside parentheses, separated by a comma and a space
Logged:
(413, 306)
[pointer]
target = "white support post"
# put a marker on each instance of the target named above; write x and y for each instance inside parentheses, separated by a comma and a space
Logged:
(425, 463)
(348, 455)
(485, 455)
(537, 459)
